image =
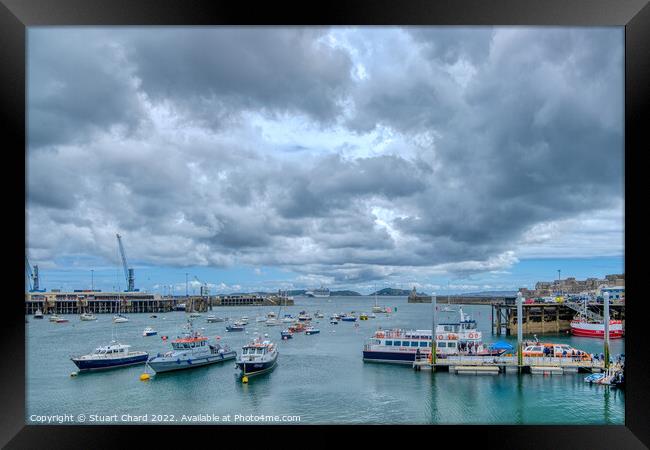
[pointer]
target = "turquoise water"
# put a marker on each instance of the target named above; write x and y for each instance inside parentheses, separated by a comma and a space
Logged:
(321, 379)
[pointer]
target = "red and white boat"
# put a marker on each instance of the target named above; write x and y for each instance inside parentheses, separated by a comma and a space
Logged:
(591, 328)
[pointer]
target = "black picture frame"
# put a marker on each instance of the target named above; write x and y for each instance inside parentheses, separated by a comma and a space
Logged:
(634, 15)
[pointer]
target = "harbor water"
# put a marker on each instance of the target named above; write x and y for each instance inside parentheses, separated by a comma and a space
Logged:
(319, 379)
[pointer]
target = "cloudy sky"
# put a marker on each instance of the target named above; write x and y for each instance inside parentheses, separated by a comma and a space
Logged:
(263, 158)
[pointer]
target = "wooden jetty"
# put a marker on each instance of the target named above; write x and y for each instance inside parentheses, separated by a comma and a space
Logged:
(503, 364)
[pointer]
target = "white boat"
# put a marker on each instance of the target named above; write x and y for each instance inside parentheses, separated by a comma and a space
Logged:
(321, 292)
(319, 315)
(260, 319)
(54, 318)
(119, 318)
(243, 320)
(87, 317)
(271, 315)
(38, 314)
(272, 322)
(149, 332)
(377, 308)
(195, 314)
(214, 319)
(190, 350)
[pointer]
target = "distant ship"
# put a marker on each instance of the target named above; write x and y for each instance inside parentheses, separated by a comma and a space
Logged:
(321, 292)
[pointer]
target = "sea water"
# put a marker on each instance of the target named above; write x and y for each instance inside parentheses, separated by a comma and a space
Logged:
(319, 379)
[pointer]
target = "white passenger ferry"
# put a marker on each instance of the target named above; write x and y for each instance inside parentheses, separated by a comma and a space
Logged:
(401, 346)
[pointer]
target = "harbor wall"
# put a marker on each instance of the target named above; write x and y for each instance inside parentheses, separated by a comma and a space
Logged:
(136, 302)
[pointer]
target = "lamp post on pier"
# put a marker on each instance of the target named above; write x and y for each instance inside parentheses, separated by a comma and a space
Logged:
(519, 330)
(606, 336)
(433, 332)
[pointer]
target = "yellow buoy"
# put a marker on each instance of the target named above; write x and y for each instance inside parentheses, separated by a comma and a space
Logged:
(144, 377)
(244, 379)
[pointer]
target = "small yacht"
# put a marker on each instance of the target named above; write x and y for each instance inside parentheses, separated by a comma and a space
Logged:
(61, 319)
(349, 318)
(87, 317)
(260, 319)
(243, 320)
(273, 322)
(334, 321)
(271, 315)
(38, 314)
(54, 317)
(319, 315)
(235, 327)
(311, 330)
(119, 318)
(189, 350)
(149, 332)
(257, 357)
(303, 316)
(214, 319)
(108, 357)
(288, 319)
(195, 314)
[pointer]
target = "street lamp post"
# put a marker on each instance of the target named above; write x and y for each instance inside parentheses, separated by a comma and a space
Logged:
(519, 330)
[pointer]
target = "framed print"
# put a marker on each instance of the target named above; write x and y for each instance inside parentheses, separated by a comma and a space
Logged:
(351, 216)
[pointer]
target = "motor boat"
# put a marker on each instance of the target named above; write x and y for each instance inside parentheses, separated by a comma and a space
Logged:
(286, 334)
(149, 332)
(190, 350)
(257, 357)
(110, 356)
(38, 314)
(311, 330)
(87, 317)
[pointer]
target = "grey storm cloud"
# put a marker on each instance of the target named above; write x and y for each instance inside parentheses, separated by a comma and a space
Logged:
(156, 133)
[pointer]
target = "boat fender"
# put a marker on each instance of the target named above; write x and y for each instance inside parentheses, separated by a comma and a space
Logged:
(178, 361)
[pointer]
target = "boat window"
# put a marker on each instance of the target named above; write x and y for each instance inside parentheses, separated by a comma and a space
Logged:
(451, 344)
(442, 344)
(389, 342)
(424, 344)
(397, 343)
(414, 344)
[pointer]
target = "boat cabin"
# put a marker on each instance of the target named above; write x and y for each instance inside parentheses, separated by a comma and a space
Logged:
(189, 343)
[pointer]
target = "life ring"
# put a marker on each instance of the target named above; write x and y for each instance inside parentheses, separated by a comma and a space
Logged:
(471, 335)
(440, 336)
(380, 335)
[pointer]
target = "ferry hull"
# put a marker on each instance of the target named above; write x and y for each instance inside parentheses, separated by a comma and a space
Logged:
(88, 365)
(388, 357)
(160, 366)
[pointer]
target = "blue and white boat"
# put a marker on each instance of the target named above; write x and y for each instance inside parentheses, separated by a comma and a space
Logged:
(235, 327)
(349, 318)
(258, 357)
(286, 334)
(149, 332)
(190, 350)
(110, 356)
(312, 330)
